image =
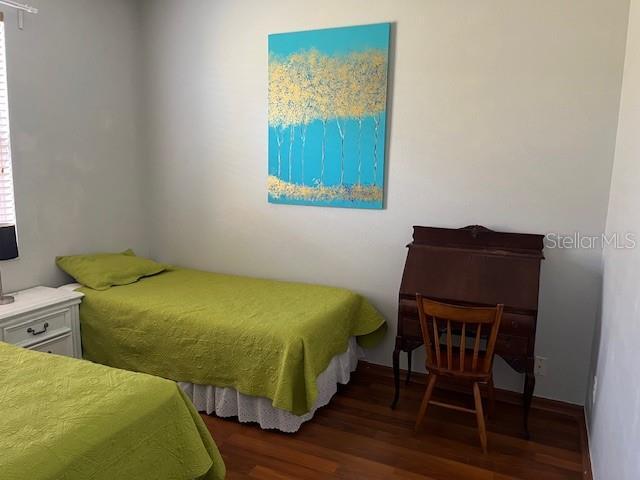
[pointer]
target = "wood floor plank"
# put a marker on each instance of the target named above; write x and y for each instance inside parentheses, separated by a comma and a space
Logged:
(357, 436)
(349, 466)
(281, 452)
(265, 473)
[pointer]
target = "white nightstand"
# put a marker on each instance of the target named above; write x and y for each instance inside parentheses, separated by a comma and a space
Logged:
(44, 319)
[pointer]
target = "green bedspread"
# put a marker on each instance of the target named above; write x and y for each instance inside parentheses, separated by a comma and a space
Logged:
(262, 337)
(68, 419)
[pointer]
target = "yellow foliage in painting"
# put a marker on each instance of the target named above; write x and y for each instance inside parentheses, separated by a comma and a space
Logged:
(308, 86)
(356, 193)
(288, 97)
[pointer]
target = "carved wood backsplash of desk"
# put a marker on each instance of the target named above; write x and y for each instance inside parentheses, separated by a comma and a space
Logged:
(475, 266)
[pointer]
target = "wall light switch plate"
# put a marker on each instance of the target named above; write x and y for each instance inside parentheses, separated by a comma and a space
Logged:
(540, 367)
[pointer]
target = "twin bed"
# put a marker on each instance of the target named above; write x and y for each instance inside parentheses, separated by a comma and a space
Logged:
(264, 351)
(252, 348)
(63, 418)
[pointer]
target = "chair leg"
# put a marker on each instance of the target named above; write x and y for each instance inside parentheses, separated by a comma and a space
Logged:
(482, 429)
(492, 398)
(431, 382)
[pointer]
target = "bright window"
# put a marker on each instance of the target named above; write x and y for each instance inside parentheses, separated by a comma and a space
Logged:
(7, 202)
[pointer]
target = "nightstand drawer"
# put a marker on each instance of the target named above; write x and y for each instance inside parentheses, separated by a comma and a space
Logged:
(36, 329)
(58, 346)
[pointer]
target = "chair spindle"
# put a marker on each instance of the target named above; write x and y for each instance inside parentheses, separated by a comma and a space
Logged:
(436, 340)
(476, 349)
(449, 346)
(463, 345)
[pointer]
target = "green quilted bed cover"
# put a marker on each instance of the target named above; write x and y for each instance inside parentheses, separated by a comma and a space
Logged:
(69, 419)
(264, 338)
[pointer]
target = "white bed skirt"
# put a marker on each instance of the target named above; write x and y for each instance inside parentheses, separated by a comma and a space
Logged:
(227, 402)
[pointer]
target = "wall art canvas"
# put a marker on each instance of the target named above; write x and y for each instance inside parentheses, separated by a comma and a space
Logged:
(327, 116)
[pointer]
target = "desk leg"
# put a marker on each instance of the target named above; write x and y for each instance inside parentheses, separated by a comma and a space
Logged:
(396, 375)
(408, 367)
(529, 385)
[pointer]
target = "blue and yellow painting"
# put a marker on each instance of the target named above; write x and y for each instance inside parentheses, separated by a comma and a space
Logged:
(327, 116)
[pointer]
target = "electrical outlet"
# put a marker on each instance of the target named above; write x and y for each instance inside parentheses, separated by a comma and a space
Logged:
(595, 389)
(540, 367)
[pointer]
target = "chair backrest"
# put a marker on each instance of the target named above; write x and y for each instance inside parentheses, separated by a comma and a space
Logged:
(475, 323)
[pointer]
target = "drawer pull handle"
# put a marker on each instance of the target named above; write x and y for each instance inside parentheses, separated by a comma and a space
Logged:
(40, 332)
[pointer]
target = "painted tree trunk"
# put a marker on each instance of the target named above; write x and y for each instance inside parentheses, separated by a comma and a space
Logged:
(303, 141)
(376, 121)
(341, 130)
(324, 150)
(292, 130)
(279, 141)
(359, 151)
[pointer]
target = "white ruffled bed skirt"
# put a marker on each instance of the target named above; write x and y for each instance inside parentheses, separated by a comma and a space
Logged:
(227, 402)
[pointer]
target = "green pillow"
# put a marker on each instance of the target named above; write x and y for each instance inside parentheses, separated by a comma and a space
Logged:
(103, 270)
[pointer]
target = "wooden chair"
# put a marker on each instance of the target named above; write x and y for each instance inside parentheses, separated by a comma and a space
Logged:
(456, 359)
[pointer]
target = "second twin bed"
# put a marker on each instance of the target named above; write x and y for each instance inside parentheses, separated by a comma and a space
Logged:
(265, 351)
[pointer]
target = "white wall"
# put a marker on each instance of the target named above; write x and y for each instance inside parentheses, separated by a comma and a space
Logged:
(502, 113)
(615, 415)
(73, 89)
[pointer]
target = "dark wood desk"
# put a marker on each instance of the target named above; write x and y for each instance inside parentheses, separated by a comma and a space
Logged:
(474, 266)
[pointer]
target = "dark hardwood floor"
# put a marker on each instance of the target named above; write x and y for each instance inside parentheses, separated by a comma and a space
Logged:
(357, 436)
